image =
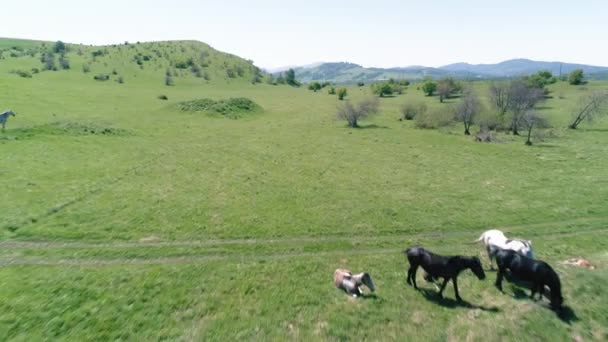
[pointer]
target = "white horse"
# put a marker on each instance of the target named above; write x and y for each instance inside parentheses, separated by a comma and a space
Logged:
(496, 238)
(351, 283)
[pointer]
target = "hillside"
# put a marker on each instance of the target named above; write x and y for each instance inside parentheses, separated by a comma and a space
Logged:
(352, 73)
(187, 61)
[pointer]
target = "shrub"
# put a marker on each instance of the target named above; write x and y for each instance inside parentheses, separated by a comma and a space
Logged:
(331, 91)
(86, 68)
(120, 80)
(168, 80)
(22, 73)
(231, 108)
(64, 62)
(409, 111)
(434, 119)
(35, 70)
(230, 73)
(101, 77)
(48, 60)
(382, 89)
(360, 84)
(97, 53)
(59, 47)
(353, 113)
(342, 92)
(163, 97)
(314, 86)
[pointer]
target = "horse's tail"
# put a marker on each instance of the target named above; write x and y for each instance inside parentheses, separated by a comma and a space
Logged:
(552, 280)
(476, 241)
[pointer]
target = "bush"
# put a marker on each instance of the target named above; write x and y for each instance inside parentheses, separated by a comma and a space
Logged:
(168, 80)
(163, 97)
(231, 108)
(409, 111)
(35, 70)
(101, 77)
(22, 73)
(353, 113)
(360, 84)
(86, 68)
(64, 62)
(331, 91)
(120, 80)
(314, 86)
(382, 89)
(434, 119)
(342, 92)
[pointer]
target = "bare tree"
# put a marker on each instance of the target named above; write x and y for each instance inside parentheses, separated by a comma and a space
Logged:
(445, 88)
(520, 99)
(468, 109)
(590, 106)
(353, 113)
(532, 119)
(499, 97)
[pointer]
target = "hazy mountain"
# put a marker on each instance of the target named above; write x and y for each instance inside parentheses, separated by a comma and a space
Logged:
(344, 72)
(517, 67)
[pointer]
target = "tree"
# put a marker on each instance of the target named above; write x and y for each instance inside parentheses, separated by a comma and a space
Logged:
(314, 86)
(290, 78)
(590, 107)
(59, 47)
(48, 59)
(576, 77)
(353, 113)
(331, 91)
(540, 79)
(429, 87)
(499, 97)
(520, 99)
(446, 87)
(342, 92)
(409, 111)
(531, 119)
(468, 109)
(64, 62)
(382, 89)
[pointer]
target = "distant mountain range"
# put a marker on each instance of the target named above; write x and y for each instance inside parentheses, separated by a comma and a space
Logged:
(344, 72)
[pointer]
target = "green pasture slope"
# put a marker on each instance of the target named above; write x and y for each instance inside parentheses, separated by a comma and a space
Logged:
(124, 217)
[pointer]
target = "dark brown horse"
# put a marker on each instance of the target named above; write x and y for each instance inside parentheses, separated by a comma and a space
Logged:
(438, 266)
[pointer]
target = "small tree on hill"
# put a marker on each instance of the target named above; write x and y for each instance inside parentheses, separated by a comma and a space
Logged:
(590, 106)
(290, 78)
(382, 89)
(331, 90)
(314, 86)
(429, 87)
(342, 92)
(445, 88)
(353, 113)
(576, 77)
(59, 47)
(468, 109)
(521, 98)
(532, 119)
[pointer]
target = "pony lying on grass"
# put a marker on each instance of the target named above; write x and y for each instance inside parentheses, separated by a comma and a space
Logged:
(496, 238)
(351, 283)
(437, 266)
(526, 269)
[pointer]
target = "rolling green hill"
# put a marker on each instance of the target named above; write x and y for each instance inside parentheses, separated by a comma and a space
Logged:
(185, 61)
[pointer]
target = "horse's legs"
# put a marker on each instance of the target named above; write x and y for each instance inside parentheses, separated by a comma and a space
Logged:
(445, 282)
(411, 275)
(534, 288)
(456, 289)
(499, 276)
(490, 256)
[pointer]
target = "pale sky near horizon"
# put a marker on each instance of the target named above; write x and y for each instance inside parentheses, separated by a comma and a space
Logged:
(382, 33)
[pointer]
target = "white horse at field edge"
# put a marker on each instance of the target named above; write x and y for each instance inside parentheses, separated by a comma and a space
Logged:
(497, 238)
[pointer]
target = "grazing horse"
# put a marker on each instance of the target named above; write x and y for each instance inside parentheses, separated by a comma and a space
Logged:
(351, 283)
(4, 116)
(496, 238)
(446, 267)
(527, 269)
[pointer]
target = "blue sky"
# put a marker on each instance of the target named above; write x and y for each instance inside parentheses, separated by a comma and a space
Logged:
(379, 33)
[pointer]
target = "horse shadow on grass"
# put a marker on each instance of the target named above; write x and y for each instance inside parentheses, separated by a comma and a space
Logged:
(433, 296)
(372, 126)
(565, 313)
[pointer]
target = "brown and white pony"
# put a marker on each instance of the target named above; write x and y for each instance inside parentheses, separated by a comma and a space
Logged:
(351, 283)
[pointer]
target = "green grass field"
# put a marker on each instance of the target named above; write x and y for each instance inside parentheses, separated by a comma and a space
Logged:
(124, 217)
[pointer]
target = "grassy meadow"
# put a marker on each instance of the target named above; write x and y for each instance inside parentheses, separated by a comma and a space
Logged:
(125, 218)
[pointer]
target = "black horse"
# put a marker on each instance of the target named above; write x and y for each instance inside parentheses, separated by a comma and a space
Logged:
(527, 269)
(437, 266)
